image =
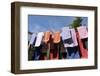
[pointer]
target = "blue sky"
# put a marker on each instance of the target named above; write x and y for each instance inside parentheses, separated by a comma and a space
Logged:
(38, 23)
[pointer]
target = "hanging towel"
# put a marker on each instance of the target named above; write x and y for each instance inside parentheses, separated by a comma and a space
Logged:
(46, 40)
(83, 51)
(32, 38)
(39, 39)
(46, 36)
(54, 41)
(74, 38)
(65, 33)
(56, 38)
(66, 37)
(82, 30)
(73, 50)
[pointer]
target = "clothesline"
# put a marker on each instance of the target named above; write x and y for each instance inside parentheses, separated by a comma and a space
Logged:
(69, 36)
(66, 33)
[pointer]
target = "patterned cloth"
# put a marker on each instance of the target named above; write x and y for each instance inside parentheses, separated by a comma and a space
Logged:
(65, 33)
(74, 38)
(83, 33)
(66, 37)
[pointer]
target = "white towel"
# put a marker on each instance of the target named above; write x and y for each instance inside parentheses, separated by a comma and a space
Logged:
(32, 38)
(39, 39)
(65, 33)
(83, 33)
(74, 38)
(68, 45)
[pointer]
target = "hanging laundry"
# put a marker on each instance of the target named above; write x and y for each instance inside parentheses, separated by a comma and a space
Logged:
(37, 53)
(46, 36)
(67, 44)
(32, 38)
(46, 45)
(39, 39)
(52, 47)
(65, 33)
(73, 50)
(56, 37)
(82, 30)
(54, 53)
(55, 47)
(66, 37)
(73, 53)
(44, 52)
(85, 43)
(66, 40)
(38, 46)
(83, 51)
(74, 38)
(31, 46)
(70, 44)
(62, 53)
(30, 52)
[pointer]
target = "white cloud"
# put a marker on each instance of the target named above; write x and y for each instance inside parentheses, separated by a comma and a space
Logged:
(37, 28)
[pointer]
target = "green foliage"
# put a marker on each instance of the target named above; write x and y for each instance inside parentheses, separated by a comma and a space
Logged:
(77, 22)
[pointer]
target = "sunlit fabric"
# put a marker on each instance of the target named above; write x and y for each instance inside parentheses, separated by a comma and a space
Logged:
(39, 39)
(82, 30)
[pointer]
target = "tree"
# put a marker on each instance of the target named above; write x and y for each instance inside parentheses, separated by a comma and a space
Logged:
(77, 22)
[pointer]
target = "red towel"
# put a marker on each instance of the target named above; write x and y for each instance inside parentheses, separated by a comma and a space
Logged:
(83, 51)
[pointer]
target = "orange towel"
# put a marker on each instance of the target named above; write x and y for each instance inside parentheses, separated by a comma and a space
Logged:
(46, 36)
(56, 37)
